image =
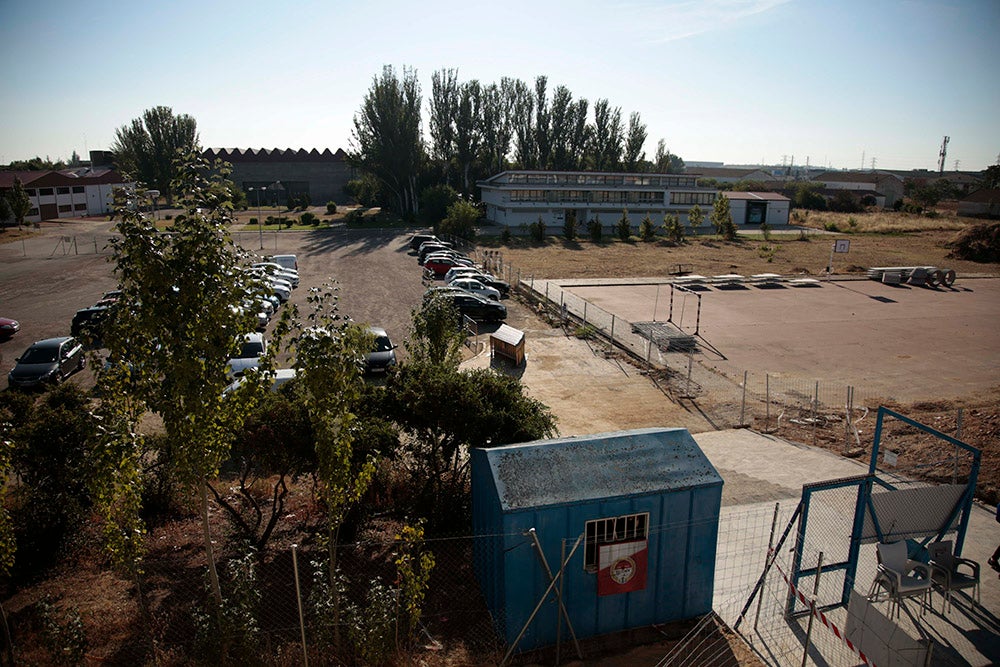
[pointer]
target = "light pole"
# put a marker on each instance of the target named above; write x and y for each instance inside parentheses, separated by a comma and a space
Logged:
(153, 194)
(260, 222)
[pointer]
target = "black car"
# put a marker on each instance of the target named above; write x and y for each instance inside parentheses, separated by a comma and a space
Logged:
(88, 323)
(48, 361)
(430, 248)
(471, 305)
(383, 354)
(417, 239)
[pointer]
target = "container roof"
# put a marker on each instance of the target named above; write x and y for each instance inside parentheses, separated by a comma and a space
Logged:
(598, 467)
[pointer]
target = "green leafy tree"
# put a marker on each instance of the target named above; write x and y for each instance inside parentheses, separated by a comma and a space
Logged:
(666, 162)
(497, 124)
(146, 148)
(606, 137)
(696, 218)
(647, 230)
(387, 140)
(460, 220)
(561, 129)
(569, 226)
(523, 102)
(468, 131)
(991, 177)
(19, 202)
(537, 230)
(673, 228)
(435, 200)
(623, 227)
(808, 196)
(5, 212)
(594, 229)
(437, 337)
(635, 139)
(169, 341)
(444, 103)
(722, 218)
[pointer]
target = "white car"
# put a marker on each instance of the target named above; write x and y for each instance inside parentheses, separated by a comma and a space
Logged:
(456, 271)
(287, 261)
(278, 271)
(278, 377)
(476, 287)
(252, 347)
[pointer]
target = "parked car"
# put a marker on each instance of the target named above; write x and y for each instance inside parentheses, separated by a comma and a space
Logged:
(278, 377)
(439, 264)
(475, 287)
(472, 306)
(383, 354)
(487, 279)
(430, 248)
(48, 361)
(418, 239)
(252, 347)
(8, 327)
(278, 271)
(88, 323)
(287, 261)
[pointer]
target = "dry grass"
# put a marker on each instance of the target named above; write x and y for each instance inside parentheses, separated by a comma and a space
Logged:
(882, 222)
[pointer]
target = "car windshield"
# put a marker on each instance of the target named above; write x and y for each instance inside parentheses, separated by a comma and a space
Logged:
(39, 355)
(382, 344)
(250, 350)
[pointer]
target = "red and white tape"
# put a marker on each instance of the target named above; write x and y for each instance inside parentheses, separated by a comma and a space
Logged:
(818, 613)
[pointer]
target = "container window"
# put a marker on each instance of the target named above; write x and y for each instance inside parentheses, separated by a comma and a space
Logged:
(625, 528)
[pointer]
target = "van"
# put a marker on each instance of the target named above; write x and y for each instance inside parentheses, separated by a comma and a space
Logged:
(287, 261)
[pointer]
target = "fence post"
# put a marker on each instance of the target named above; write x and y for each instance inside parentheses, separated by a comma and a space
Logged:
(687, 391)
(546, 290)
(656, 301)
(298, 599)
(585, 313)
(95, 244)
(612, 330)
(815, 410)
(812, 609)
(770, 547)
(958, 436)
(743, 402)
(767, 402)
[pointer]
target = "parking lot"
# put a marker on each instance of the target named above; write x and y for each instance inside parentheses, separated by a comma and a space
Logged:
(45, 280)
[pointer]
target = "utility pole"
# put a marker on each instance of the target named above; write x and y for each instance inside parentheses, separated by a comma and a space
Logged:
(943, 154)
(956, 164)
(874, 159)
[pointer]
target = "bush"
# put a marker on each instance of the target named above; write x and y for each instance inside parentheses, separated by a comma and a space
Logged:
(831, 227)
(460, 220)
(623, 227)
(845, 202)
(647, 231)
(765, 229)
(505, 235)
(253, 221)
(355, 217)
(595, 229)
(673, 228)
(231, 634)
(537, 230)
(308, 218)
(569, 226)
(435, 201)
(331, 208)
(979, 243)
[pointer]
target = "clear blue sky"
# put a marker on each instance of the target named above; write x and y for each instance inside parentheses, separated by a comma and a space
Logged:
(738, 81)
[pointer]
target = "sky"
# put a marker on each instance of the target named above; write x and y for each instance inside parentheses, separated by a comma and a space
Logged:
(839, 83)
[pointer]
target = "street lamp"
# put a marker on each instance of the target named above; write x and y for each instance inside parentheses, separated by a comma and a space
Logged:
(153, 195)
(260, 222)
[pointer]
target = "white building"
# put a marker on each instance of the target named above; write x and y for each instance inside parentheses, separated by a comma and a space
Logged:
(516, 198)
(71, 193)
(879, 184)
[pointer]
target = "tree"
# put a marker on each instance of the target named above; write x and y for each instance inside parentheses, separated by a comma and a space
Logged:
(496, 124)
(19, 202)
(807, 195)
(189, 279)
(595, 229)
(606, 137)
(437, 336)
(444, 109)
(6, 213)
(525, 153)
(673, 228)
(386, 139)
(647, 230)
(695, 218)
(468, 130)
(434, 202)
(146, 148)
(569, 226)
(460, 220)
(666, 162)
(543, 132)
(634, 141)
(722, 218)
(561, 133)
(624, 227)
(991, 177)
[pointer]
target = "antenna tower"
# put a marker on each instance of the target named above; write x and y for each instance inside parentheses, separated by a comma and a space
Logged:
(943, 154)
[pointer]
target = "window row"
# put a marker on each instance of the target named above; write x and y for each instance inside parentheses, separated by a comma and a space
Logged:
(692, 198)
(589, 196)
(48, 192)
(586, 178)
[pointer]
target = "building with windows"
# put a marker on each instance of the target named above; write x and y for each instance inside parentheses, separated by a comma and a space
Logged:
(279, 175)
(516, 198)
(69, 193)
(882, 186)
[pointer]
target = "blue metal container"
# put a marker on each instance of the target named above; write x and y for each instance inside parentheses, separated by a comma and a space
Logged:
(656, 477)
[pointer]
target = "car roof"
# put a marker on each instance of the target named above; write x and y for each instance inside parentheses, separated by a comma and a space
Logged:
(377, 331)
(253, 337)
(51, 342)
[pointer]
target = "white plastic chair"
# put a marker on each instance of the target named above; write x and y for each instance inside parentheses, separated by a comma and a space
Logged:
(895, 576)
(946, 574)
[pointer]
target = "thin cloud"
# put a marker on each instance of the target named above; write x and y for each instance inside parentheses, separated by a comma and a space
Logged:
(669, 22)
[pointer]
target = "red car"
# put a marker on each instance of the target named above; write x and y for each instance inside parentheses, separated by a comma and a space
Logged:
(439, 265)
(8, 327)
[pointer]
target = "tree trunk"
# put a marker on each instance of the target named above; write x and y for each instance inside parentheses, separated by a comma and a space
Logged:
(334, 591)
(213, 574)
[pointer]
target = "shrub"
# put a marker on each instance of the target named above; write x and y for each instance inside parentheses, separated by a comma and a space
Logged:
(331, 208)
(168, 217)
(569, 226)
(537, 230)
(623, 227)
(308, 218)
(460, 220)
(355, 217)
(765, 229)
(586, 332)
(831, 227)
(230, 634)
(595, 230)
(253, 221)
(673, 228)
(505, 235)
(65, 639)
(695, 218)
(647, 232)
(766, 251)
